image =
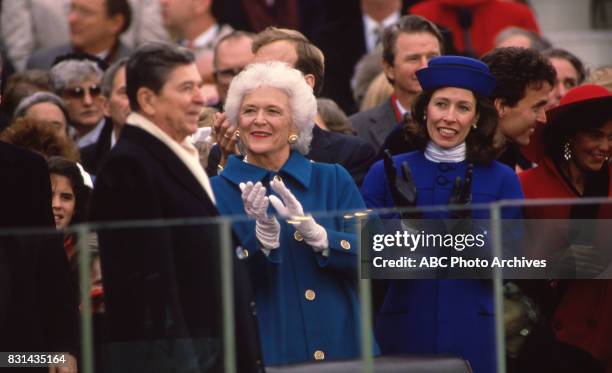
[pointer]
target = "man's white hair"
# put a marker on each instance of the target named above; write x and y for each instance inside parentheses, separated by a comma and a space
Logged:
(281, 76)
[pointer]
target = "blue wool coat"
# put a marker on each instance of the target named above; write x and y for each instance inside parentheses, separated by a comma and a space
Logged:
(441, 316)
(307, 303)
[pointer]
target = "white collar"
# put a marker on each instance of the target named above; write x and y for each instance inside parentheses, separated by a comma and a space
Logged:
(92, 136)
(401, 109)
(206, 39)
(437, 154)
(370, 25)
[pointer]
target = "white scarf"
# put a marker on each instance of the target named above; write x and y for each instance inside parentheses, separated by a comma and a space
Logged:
(185, 151)
(437, 154)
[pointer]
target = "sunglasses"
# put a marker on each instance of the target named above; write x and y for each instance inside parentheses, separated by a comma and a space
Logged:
(79, 92)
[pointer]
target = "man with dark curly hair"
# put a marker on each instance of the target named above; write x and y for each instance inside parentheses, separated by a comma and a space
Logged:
(524, 80)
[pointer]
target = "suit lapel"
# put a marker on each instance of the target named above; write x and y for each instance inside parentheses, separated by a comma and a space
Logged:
(383, 120)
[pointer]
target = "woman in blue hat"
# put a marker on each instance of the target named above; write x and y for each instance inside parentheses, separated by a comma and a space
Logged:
(455, 132)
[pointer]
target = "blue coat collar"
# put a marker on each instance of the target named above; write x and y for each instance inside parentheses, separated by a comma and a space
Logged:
(297, 167)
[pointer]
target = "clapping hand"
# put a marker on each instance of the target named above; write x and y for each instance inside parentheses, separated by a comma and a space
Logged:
(462, 194)
(403, 190)
(267, 229)
(290, 208)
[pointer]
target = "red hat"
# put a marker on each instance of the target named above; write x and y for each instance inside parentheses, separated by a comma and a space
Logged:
(581, 104)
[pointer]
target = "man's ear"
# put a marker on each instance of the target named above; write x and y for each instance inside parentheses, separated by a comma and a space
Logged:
(310, 80)
(116, 23)
(500, 106)
(388, 70)
(146, 100)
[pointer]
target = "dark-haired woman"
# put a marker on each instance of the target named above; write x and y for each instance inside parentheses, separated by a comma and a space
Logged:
(455, 131)
(577, 143)
(70, 196)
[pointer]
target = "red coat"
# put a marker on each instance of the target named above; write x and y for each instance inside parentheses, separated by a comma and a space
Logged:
(583, 318)
(489, 18)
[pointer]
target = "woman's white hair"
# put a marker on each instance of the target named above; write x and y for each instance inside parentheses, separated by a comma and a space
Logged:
(281, 76)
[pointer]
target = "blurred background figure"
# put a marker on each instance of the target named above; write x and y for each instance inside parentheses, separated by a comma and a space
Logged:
(20, 85)
(33, 25)
(94, 28)
(570, 73)
(379, 91)
(602, 76)
(195, 25)
(331, 118)
(231, 54)
(116, 108)
(475, 23)
(77, 82)
(367, 69)
(517, 37)
(45, 108)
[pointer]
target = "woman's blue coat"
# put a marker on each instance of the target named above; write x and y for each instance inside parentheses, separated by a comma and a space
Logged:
(441, 316)
(292, 327)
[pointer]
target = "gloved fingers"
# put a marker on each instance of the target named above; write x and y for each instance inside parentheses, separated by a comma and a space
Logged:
(292, 203)
(280, 208)
(259, 201)
(245, 189)
(457, 186)
(467, 184)
(389, 167)
(407, 174)
(252, 196)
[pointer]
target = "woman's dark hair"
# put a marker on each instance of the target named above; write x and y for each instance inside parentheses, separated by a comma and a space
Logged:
(483, 144)
(554, 137)
(82, 193)
(40, 138)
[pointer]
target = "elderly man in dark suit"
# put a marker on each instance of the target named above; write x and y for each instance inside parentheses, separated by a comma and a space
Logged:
(162, 285)
(95, 27)
(38, 310)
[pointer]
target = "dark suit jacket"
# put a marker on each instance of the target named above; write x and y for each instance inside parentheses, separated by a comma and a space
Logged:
(92, 155)
(43, 59)
(162, 285)
(374, 125)
(38, 311)
(352, 153)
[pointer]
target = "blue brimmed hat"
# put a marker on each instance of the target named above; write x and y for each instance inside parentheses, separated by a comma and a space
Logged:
(457, 71)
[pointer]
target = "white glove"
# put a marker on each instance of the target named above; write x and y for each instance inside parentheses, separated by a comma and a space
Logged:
(267, 229)
(290, 208)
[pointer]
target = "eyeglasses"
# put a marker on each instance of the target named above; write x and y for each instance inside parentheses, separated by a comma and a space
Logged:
(79, 92)
(228, 73)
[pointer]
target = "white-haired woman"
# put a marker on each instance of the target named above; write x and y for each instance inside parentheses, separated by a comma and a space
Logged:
(303, 273)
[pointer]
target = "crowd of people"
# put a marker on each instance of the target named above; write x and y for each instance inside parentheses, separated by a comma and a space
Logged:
(131, 110)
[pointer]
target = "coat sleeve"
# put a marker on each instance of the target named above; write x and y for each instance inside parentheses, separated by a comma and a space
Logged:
(342, 238)
(511, 189)
(375, 190)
